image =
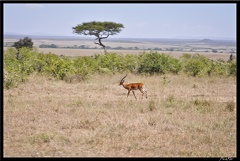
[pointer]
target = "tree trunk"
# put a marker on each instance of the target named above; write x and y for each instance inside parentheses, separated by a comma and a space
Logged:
(18, 55)
(100, 43)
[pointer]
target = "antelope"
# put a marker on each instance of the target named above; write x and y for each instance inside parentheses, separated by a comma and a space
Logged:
(133, 86)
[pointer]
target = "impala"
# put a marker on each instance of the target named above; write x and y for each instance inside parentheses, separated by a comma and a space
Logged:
(133, 86)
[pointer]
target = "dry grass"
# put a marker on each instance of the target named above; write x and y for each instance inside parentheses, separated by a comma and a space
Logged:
(183, 116)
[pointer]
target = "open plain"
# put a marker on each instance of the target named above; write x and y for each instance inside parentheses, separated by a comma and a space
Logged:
(183, 116)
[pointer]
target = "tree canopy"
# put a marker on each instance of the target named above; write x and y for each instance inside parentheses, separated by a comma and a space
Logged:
(101, 30)
(25, 42)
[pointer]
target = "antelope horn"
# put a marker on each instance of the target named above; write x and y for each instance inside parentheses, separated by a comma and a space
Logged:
(124, 78)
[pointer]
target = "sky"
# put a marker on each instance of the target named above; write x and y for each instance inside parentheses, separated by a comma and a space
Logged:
(149, 20)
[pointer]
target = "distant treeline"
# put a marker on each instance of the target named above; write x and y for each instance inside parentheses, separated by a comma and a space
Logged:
(136, 48)
(182, 49)
(88, 47)
(48, 46)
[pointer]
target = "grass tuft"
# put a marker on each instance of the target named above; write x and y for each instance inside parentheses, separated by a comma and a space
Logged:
(151, 105)
(230, 106)
(40, 138)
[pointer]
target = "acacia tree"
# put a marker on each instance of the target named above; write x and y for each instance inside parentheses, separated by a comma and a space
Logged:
(101, 30)
(25, 42)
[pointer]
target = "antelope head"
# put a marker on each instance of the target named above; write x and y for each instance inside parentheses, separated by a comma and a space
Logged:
(122, 80)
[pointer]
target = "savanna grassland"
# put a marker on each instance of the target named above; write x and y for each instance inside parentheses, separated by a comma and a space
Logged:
(203, 47)
(182, 116)
(68, 103)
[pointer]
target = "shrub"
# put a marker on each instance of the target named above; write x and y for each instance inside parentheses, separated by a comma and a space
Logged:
(17, 70)
(81, 68)
(59, 67)
(232, 68)
(85, 66)
(131, 63)
(218, 68)
(196, 64)
(154, 62)
(10, 79)
(114, 62)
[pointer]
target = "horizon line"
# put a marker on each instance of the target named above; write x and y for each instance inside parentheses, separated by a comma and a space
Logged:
(88, 37)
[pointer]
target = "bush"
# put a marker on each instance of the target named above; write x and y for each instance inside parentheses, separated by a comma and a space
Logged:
(131, 63)
(17, 70)
(154, 62)
(196, 64)
(10, 79)
(232, 68)
(81, 68)
(85, 66)
(58, 67)
(218, 68)
(112, 61)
